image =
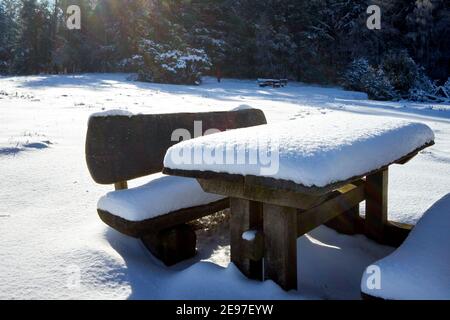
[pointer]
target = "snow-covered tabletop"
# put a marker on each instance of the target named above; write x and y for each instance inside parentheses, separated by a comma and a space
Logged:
(315, 151)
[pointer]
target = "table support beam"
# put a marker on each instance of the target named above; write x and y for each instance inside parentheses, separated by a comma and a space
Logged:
(245, 215)
(340, 211)
(280, 235)
(348, 222)
(377, 205)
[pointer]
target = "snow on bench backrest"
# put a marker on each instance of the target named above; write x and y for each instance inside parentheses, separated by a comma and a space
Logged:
(121, 146)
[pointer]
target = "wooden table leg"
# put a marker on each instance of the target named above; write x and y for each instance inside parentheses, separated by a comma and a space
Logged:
(348, 222)
(376, 205)
(245, 215)
(280, 234)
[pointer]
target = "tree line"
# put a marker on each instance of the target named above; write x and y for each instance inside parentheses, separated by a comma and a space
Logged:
(179, 40)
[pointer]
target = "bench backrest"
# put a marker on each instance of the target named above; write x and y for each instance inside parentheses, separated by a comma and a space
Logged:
(121, 148)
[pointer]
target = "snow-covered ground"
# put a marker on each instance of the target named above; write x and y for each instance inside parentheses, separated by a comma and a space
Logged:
(419, 269)
(51, 236)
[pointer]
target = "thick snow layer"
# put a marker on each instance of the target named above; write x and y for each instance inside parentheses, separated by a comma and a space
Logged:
(163, 194)
(249, 235)
(114, 112)
(420, 268)
(314, 151)
(52, 237)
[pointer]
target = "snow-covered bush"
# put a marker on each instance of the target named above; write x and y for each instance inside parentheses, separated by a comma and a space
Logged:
(351, 79)
(361, 76)
(447, 86)
(419, 95)
(401, 70)
(132, 64)
(378, 86)
(161, 63)
(423, 89)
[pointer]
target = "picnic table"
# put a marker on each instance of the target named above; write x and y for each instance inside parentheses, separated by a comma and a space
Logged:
(326, 166)
(275, 83)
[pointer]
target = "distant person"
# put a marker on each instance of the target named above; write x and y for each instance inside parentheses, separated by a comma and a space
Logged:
(219, 75)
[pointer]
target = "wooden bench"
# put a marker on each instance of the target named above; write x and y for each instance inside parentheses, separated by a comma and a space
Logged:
(275, 83)
(121, 147)
(277, 210)
(420, 268)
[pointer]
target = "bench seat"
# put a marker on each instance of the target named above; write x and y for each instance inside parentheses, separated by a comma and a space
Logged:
(420, 268)
(162, 195)
(137, 210)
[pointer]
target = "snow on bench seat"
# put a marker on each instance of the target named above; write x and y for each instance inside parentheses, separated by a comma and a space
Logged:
(317, 150)
(162, 195)
(420, 268)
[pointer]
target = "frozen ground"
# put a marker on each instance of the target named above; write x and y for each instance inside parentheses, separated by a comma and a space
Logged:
(51, 236)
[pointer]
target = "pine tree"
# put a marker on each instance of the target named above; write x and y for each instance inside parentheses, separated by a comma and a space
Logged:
(4, 55)
(311, 41)
(32, 54)
(8, 33)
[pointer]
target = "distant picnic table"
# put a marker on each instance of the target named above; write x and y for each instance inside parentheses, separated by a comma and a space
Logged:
(326, 169)
(274, 83)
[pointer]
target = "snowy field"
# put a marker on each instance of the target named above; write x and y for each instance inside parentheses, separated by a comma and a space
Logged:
(50, 233)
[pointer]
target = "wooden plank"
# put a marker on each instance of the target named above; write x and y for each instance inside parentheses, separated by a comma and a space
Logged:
(254, 249)
(286, 198)
(244, 190)
(348, 222)
(245, 215)
(339, 202)
(226, 188)
(138, 229)
(280, 237)
(286, 185)
(376, 204)
(172, 245)
(405, 160)
(396, 233)
(121, 185)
